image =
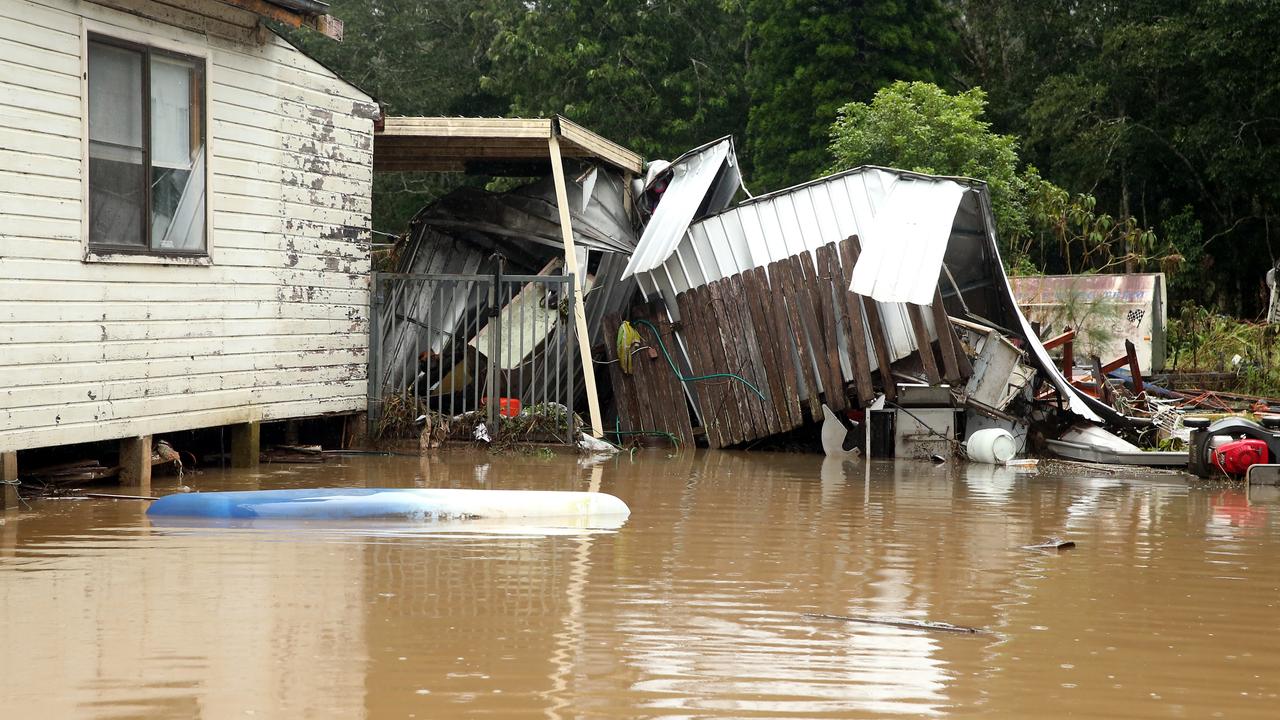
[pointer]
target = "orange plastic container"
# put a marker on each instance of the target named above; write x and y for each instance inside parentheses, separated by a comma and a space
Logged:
(507, 407)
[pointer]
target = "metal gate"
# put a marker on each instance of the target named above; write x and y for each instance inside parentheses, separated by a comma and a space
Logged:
(495, 348)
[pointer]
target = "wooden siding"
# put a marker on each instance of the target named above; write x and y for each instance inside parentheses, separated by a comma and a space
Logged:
(275, 327)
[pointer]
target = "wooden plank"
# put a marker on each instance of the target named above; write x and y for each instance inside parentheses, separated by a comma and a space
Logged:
(805, 373)
(825, 284)
(766, 340)
(736, 300)
(1100, 379)
(947, 345)
(662, 380)
(623, 389)
(695, 347)
(802, 282)
(1131, 354)
(850, 249)
(776, 315)
(1068, 357)
(855, 333)
(722, 409)
(703, 333)
(739, 414)
(644, 416)
(924, 345)
(678, 411)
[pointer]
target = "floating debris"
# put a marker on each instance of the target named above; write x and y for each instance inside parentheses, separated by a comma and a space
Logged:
(1053, 543)
(913, 624)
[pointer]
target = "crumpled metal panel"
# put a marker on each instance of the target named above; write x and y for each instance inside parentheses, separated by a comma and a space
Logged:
(702, 180)
(771, 227)
(529, 213)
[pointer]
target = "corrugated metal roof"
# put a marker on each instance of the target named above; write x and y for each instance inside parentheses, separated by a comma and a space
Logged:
(771, 227)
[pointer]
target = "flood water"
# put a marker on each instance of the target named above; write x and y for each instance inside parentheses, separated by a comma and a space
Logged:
(1167, 607)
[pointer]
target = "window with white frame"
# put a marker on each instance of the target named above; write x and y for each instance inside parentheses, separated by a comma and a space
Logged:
(147, 159)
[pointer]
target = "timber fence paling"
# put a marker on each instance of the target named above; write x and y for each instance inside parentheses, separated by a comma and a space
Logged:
(723, 410)
(714, 413)
(618, 379)
(677, 411)
(776, 307)
(767, 345)
(854, 330)
(695, 338)
(802, 273)
(804, 371)
(742, 427)
(924, 346)
(737, 301)
(851, 248)
(696, 390)
(670, 394)
(836, 399)
(644, 370)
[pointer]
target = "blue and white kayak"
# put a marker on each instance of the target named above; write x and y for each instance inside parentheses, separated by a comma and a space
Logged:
(424, 505)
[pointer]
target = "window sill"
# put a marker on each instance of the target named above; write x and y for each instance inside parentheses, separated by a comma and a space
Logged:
(120, 258)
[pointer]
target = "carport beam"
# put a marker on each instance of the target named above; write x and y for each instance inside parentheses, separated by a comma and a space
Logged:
(579, 309)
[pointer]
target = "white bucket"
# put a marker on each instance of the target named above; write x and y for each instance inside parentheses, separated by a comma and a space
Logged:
(994, 446)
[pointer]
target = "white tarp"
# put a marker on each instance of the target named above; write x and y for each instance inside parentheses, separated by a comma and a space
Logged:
(902, 254)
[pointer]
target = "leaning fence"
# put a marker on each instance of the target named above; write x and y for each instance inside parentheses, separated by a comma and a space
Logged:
(467, 349)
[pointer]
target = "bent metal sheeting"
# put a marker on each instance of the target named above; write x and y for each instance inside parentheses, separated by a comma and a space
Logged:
(914, 222)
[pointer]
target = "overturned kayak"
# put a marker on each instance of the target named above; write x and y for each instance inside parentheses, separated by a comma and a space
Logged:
(426, 505)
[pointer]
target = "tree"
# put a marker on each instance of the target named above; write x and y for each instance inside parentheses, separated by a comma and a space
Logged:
(807, 57)
(1154, 107)
(659, 76)
(919, 126)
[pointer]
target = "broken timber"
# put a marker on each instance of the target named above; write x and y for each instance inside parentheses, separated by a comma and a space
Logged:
(793, 330)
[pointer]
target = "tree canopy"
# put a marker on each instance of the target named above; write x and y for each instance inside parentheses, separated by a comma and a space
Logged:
(1152, 124)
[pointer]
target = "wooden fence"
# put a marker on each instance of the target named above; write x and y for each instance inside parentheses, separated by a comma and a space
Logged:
(782, 328)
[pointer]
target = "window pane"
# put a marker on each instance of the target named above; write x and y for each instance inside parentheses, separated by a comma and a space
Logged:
(177, 154)
(117, 177)
(115, 95)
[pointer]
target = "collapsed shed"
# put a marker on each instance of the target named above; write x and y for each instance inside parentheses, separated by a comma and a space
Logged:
(830, 292)
(482, 302)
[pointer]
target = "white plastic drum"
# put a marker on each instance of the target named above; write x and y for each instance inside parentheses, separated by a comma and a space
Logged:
(994, 446)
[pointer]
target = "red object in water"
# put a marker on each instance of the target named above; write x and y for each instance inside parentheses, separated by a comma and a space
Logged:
(507, 407)
(1235, 457)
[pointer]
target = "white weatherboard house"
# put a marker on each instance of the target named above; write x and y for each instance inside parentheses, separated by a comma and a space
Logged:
(184, 220)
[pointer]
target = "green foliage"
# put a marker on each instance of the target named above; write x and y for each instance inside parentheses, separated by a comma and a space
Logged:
(808, 57)
(1152, 107)
(658, 77)
(919, 126)
(1203, 340)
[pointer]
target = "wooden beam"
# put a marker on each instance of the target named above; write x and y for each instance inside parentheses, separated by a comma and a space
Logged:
(9, 476)
(245, 445)
(599, 146)
(135, 463)
(269, 11)
(1131, 354)
(1100, 379)
(579, 307)
(1068, 358)
(1065, 337)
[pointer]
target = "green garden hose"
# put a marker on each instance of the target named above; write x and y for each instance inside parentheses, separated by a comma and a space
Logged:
(696, 378)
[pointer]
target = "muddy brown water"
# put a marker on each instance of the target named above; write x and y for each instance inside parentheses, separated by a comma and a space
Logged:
(1167, 607)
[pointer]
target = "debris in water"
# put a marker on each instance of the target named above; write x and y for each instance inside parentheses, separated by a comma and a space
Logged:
(913, 624)
(113, 496)
(1053, 543)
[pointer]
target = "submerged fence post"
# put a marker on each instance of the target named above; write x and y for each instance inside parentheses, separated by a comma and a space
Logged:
(492, 405)
(373, 409)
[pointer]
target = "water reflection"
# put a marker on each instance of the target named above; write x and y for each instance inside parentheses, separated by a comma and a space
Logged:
(693, 608)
